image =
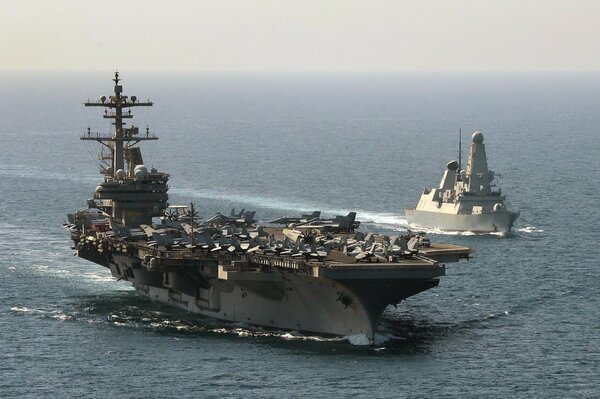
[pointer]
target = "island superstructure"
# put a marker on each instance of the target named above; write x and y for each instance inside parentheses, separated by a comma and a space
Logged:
(317, 275)
(465, 199)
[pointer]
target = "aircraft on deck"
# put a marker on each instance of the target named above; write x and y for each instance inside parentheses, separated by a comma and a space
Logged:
(242, 218)
(304, 218)
(339, 224)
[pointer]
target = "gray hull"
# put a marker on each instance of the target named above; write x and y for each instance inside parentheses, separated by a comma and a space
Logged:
(280, 300)
(501, 222)
(229, 268)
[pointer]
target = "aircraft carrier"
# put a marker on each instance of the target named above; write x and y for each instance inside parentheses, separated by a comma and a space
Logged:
(312, 274)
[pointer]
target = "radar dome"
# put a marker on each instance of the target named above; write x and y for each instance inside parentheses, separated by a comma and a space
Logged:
(140, 172)
(120, 174)
(477, 138)
(452, 165)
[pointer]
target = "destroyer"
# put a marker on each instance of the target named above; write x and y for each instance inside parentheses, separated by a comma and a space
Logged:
(313, 275)
(465, 200)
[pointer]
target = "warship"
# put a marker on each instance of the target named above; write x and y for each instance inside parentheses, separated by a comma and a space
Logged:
(465, 199)
(308, 274)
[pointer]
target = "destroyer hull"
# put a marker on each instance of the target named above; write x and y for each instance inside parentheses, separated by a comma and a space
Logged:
(350, 306)
(500, 222)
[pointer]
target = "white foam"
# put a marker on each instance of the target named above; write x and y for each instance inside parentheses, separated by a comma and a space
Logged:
(99, 278)
(494, 315)
(182, 328)
(256, 333)
(301, 337)
(530, 229)
(455, 233)
(415, 227)
(358, 339)
(59, 315)
(393, 220)
(381, 338)
(25, 309)
(264, 202)
(499, 234)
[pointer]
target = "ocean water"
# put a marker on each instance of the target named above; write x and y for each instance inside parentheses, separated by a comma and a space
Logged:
(520, 319)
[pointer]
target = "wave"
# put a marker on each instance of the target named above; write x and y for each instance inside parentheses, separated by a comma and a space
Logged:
(53, 314)
(99, 278)
(515, 232)
(132, 316)
(427, 230)
(127, 310)
(262, 202)
(25, 309)
(529, 230)
(37, 173)
(162, 323)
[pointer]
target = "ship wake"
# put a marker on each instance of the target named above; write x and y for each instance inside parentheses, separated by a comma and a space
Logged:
(274, 207)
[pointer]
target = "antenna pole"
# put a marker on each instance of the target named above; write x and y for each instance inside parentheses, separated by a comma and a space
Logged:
(459, 150)
(192, 223)
(122, 137)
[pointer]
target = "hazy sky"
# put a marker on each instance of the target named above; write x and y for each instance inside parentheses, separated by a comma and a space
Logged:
(288, 35)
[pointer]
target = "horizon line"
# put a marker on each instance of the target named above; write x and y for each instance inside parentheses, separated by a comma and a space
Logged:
(301, 72)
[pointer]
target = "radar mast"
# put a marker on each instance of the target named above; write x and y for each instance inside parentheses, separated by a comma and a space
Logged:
(122, 138)
(132, 196)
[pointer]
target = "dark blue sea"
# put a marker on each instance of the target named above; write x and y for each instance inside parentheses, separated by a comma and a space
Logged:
(520, 319)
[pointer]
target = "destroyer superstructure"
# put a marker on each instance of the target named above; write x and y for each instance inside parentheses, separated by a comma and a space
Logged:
(465, 199)
(314, 274)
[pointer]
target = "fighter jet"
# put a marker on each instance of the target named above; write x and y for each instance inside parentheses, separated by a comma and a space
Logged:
(339, 224)
(241, 219)
(304, 218)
